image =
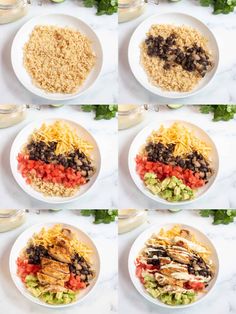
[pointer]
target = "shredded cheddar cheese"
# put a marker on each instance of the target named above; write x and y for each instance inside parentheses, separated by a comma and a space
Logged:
(66, 137)
(185, 141)
(175, 231)
(49, 237)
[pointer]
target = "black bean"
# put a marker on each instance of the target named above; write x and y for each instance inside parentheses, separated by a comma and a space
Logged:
(157, 46)
(194, 161)
(46, 153)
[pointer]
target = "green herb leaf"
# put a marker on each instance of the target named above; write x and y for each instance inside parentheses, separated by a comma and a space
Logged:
(220, 6)
(103, 6)
(105, 216)
(106, 112)
(220, 216)
(89, 3)
(220, 112)
(205, 213)
(86, 212)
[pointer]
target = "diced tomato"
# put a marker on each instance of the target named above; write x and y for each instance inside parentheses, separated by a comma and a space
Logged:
(139, 270)
(163, 171)
(152, 267)
(138, 263)
(75, 283)
(28, 181)
(24, 268)
(54, 173)
(195, 285)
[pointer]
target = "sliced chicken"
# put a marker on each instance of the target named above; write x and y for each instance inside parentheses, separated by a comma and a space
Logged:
(177, 289)
(191, 245)
(58, 266)
(168, 269)
(185, 234)
(166, 280)
(48, 280)
(55, 273)
(164, 260)
(179, 254)
(67, 233)
(54, 288)
(60, 252)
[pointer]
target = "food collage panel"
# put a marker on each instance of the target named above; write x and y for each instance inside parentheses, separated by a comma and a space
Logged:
(117, 156)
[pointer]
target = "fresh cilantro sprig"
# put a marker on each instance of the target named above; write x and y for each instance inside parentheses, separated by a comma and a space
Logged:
(220, 112)
(106, 112)
(105, 216)
(220, 6)
(221, 216)
(103, 6)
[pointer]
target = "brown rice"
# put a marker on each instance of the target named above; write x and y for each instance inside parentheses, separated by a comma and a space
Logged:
(51, 189)
(58, 59)
(175, 79)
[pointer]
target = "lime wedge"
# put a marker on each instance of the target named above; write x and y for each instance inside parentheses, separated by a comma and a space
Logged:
(174, 210)
(57, 1)
(174, 106)
(56, 105)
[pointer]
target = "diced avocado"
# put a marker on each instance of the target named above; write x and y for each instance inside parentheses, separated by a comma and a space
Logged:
(32, 285)
(172, 184)
(178, 296)
(177, 190)
(155, 189)
(150, 178)
(36, 292)
(59, 295)
(176, 180)
(30, 278)
(165, 182)
(150, 175)
(170, 297)
(171, 189)
(58, 298)
(185, 196)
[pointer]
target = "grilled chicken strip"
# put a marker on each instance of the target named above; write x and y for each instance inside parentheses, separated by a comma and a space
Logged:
(185, 234)
(54, 288)
(67, 233)
(179, 254)
(177, 289)
(48, 280)
(60, 252)
(58, 266)
(165, 280)
(164, 260)
(168, 269)
(55, 273)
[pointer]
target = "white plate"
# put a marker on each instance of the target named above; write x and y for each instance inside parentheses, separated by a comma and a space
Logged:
(140, 140)
(60, 20)
(21, 243)
(177, 19)
(139, 244)
(22, 138)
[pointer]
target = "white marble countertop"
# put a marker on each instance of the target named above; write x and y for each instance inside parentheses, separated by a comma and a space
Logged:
(222, 298)
(105, 133)
(104, 298)
(222, 194)
(12, 91)
(221, 90)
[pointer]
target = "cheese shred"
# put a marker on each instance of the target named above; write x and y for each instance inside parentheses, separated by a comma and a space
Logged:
(185, 141)
(64, 135)
(49, 237)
